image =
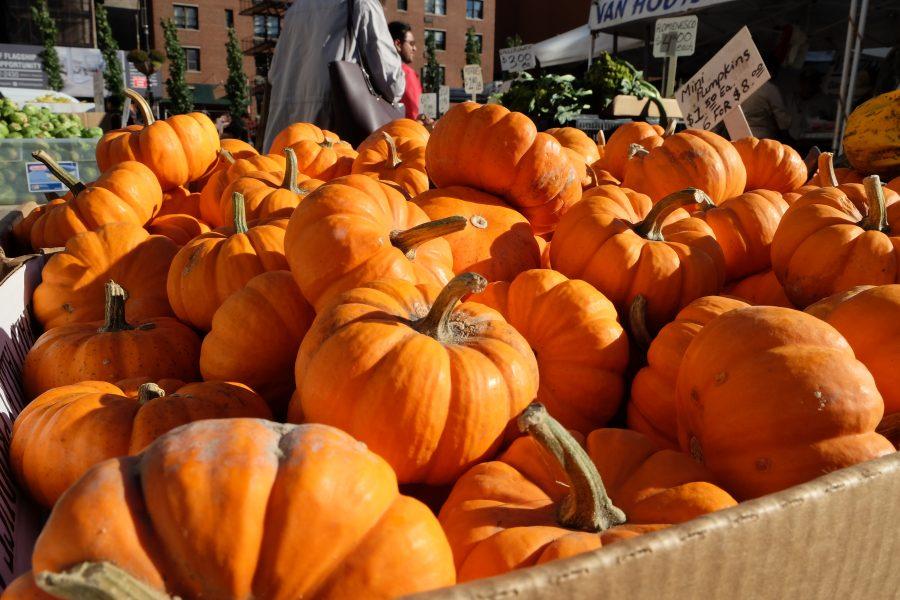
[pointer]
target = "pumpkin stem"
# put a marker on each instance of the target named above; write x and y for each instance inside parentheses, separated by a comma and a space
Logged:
(637, 321)
(601, 138)
(97, 581)
(876, 219)
(437, 322)
(291, 171)
(64, 176)
(142, 105)
(326, 142)
(827, 176)
(651, 226)
(637, 150)
(228, 156)
(393, 156)
(240, 213)
(592, 173)
(588, 506)
(115, 309)
(670, 127)
(811, 160)
(148, 392)
(407, 241)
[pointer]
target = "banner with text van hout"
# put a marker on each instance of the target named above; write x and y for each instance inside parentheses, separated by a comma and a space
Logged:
(608, 13)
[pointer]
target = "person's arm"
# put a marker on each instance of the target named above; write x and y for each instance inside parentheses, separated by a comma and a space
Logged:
(377, 47)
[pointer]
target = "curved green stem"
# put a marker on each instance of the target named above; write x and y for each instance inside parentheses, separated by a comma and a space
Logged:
(876, 218)
(75, 186)
(97, 581)
(587, 507)
(436, 323)
(142, 105)
(407, 241)
(115, 309)
(827, 176)
(393, 155)
(636, 150)
(291, 171)
(651, 226)
(240, 213)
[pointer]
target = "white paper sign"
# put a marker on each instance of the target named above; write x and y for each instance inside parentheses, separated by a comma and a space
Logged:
(472, 78)
(729, 78)
(607, 13)
(443, 99)
(428, 104)
(518, 58)
(684, 31)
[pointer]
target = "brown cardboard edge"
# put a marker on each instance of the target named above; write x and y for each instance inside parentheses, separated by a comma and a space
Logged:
(581, 575)
(8, 266)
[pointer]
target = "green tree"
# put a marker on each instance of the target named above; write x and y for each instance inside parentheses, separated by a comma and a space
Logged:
(513, 40)
(431, 72)
(473, 47)
(112, 68)
(180, 96)
(237, 89)
(49, 58)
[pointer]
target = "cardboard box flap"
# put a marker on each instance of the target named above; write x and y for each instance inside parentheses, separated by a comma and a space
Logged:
(834, 537)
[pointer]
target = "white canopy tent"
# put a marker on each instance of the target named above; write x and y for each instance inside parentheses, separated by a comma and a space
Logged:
(575, 45)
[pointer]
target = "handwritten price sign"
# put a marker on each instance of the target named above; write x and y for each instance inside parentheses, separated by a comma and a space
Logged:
(518, 58)
(729, 78)
(472, 79)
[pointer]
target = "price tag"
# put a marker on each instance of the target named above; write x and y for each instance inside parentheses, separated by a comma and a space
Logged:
(444, 99)
(473, 79)
(40, 179)
(681, 30)
(518, 58)
(428, 104)
(729, 78)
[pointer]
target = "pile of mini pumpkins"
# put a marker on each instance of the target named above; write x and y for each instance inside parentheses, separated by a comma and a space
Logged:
(334, 372)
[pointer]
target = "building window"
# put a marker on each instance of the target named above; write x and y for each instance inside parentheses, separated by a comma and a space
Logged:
(192, 55)
(436, 7)
(229, 17)
(402, 5)
(474, 9)
(186, 17)
(443, 72)
(266, 27)
(440, 38)
(478, 43)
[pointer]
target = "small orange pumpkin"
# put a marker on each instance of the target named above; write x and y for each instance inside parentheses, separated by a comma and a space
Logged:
(581, 349)
(581, 149)
(111, 350)
(547, 498)
(211, 194)
(760, 289)
(296, 132)
(618, 147)
(231, 148)
(68, 429)
(325, 159)
(389, 158)
(180, 201)
(771, 165)
(181, 229)
(216, 264)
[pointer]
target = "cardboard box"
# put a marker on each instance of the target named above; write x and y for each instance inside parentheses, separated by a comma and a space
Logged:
(834, 537)
(632, 106)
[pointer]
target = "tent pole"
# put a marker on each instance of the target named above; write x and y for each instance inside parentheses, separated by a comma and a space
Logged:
(845, 73)
(591, 53)
(851, 84)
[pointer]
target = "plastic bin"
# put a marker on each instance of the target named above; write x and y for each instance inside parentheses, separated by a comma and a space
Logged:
(15, 154)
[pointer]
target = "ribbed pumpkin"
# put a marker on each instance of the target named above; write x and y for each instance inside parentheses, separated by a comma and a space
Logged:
(618, 147)
(21, 230)
(761, 288)
(894, 184)
(180, 201)
(428, 385)
(178, 150)
(181, 229)
(397, 159)
(869, 319)
(872, 135)
(547, 498)
(324, 159)
(581, 149)
(214, 265)
(501, 152)
(211, 195)
(243, 508)
(111, 349)
(786, 403)
(581, 349)
(231, 150)
(72, 290)
(622, 245)
(827, 175)
(131, 386)
(356, 229)
(497, 242)
(692, 158)
(126, 193)
(744, 227)
(833, 239)
(66, 430)
(651, 409)
(255, 336)
(296, 132)
(771, 165)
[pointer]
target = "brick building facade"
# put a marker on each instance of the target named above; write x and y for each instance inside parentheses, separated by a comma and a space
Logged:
(448, 20)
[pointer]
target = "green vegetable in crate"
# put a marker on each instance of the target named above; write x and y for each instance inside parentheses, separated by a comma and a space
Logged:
(18, 118)
(609, 77)
(548, 99)
(4, 130)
